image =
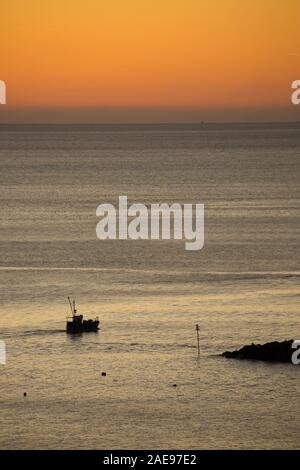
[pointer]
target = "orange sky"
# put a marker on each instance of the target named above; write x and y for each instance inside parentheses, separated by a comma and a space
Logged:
(149, 53)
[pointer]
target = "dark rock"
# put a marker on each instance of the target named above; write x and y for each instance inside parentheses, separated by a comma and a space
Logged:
(275, 351)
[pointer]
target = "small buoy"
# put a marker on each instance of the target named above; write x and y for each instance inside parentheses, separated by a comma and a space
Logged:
(103, 374)
(25, 394)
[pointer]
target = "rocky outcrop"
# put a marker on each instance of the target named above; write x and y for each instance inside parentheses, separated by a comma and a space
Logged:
(275, 352)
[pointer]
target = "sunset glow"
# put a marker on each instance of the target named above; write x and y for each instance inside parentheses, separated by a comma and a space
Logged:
(203, 53)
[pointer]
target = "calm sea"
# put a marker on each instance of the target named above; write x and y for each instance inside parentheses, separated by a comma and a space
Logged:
(242, 287)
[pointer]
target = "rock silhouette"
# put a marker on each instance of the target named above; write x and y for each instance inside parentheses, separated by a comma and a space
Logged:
(273, 352)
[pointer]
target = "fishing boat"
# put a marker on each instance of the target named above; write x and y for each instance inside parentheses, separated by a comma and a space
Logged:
(76, 323)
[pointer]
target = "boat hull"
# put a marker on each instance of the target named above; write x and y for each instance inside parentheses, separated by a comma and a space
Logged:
(85, 327)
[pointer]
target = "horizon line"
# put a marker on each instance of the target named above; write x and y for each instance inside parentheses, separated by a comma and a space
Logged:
(202, 123)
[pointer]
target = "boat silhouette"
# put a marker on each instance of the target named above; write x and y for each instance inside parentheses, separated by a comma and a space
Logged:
(76, 323)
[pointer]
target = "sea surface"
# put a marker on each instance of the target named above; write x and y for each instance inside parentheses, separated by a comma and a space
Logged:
(242, 287)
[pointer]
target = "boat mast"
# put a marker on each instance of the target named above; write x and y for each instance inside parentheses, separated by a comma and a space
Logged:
(70, 305)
